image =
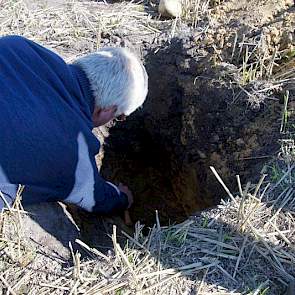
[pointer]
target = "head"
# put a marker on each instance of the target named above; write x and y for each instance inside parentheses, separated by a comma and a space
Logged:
(118, 81)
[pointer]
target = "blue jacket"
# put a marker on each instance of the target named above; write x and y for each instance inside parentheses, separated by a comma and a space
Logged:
(46, 140)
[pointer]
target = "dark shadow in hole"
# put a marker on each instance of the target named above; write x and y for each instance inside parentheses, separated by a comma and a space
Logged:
(157, 144)
(188, 123)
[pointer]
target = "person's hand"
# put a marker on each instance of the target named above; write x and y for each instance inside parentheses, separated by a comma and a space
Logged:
(123, 188)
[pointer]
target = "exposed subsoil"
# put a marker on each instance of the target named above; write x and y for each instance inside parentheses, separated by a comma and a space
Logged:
(187, 125)
(190, 122)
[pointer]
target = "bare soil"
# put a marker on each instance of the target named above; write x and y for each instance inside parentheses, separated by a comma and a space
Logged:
(195, 115)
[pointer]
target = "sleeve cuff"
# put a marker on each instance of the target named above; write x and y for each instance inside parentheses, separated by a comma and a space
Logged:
(114, 186)
(123, 198)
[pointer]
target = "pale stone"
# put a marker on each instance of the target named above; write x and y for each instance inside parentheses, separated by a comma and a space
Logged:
(170, 8)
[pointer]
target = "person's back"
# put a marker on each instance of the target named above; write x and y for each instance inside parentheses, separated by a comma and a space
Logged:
(46, 140)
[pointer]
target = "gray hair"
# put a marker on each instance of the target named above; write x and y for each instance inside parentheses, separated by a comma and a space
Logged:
(117, 77)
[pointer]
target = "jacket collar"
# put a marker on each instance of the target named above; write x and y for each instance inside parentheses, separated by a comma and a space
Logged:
(85, 86)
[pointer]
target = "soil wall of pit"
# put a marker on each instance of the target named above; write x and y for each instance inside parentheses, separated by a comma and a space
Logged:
(188, 123)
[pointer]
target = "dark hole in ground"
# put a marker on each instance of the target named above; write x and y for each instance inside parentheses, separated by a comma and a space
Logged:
(188, 123)
(147, 152)
(134, 158)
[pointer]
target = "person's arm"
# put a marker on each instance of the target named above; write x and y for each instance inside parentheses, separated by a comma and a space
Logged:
(94, 194)
(90, 191)
(109, 198)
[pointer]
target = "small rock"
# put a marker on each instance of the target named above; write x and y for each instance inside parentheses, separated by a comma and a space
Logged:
(201, 154)
(115, 40)
(240, 142)
(214, 139)
(286, 40)
(274, 32)
(170, 8)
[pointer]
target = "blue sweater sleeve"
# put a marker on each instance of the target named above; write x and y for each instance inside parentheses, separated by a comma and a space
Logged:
(112, 201)
(90, 191)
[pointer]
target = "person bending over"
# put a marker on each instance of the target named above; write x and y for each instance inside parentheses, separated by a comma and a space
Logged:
(48, 109)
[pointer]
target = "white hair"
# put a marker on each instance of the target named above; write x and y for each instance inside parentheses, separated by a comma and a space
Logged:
(117, 77)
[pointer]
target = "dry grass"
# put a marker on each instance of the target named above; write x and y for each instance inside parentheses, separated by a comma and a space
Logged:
(243, 246)
(74, 28)
(258, 70)
(194, 11)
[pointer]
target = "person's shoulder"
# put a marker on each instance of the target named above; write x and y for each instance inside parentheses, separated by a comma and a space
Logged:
(14, 43)
(12, 39)
(23, 47)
